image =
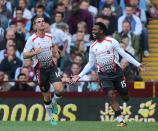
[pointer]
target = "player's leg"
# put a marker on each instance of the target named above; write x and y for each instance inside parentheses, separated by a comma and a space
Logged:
(116, 107)
(48, 98)
(58, 87)
(121, 87)
(113, 101)
(48, 106)
(44, 85)
(112, 96)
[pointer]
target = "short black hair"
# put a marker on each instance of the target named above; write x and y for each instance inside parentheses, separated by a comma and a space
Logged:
(19, 21)
(12, 23)
(74, 63)
(87, 1)
(129, 5)
(21, 74)
(126, 21)
(101, 26)
(60, 4)
(40, 6)
(57, 12)
(19, 8)
(80, 55)
(107, 6)
(124, 36)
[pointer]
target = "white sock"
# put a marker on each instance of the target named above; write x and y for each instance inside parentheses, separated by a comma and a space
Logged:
(49, 111)
(55, 98)
(120, 118)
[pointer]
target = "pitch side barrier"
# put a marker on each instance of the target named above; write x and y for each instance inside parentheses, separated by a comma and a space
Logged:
(85, 106)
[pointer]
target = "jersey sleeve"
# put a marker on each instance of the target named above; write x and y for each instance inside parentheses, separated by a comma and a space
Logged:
(125, 55)
(53, 40)
(28, 46)
(90, 64)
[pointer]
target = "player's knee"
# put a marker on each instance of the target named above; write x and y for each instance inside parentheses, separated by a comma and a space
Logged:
(112, 94)
(44, 87)
(47, 96)
(59, 88)
(124, 95)
(125, 98)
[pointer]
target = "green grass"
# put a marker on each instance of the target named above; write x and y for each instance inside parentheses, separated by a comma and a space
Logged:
(76, 126)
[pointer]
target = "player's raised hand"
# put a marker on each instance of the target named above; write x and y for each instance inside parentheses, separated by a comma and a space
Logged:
(38, 50)
(74, 79)
(142, 67)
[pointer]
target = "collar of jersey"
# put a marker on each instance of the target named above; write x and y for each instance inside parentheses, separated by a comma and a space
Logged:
(40, 36)
(99, 41)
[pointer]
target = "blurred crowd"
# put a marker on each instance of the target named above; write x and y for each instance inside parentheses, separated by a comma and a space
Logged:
(70, 22)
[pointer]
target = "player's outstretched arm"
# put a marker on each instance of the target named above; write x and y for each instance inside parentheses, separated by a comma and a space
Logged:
(125, 55)
(87, 68)
(55, 51)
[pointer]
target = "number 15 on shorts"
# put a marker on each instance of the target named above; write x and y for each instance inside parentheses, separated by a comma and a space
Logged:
(123, 84)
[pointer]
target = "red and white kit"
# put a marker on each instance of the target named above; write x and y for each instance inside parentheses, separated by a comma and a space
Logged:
(105, 54)
(45, 42)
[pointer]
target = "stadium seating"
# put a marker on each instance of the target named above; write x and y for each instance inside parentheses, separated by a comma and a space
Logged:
(152, 61)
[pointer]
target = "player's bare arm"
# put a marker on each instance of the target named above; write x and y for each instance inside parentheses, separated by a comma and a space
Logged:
(32, 53)
(55, 51)
(87, 68)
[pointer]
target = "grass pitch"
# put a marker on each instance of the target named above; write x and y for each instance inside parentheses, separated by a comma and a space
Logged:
(76, 126)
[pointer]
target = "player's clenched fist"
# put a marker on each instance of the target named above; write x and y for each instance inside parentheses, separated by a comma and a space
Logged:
(74, 79)
(142, 67)
(38, 50)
